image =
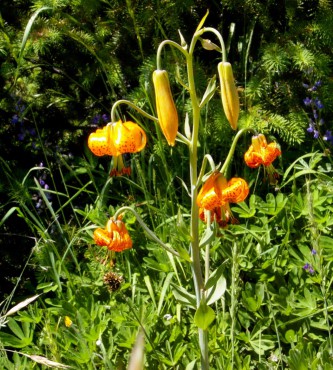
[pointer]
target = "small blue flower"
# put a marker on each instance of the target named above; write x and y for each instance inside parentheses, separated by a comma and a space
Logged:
(306, 266)
(21, 136)
(15, 119)
(328, 135)
(32, 131)
(305, 85)
(317, 83)
(313, 252)
(311, 127)
(96, 119)
(105, 117)
(307, 101)
(319, 104)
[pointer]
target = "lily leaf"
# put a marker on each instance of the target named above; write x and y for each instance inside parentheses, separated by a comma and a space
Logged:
(202, 21)
(209, 93)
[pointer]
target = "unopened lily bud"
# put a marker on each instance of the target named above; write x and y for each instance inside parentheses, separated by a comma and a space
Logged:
(166, 109)
(229, 94)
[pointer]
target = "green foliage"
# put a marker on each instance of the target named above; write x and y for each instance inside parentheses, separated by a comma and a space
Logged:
(269, 301)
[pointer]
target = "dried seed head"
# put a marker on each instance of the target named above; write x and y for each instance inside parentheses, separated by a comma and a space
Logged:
(113, 281)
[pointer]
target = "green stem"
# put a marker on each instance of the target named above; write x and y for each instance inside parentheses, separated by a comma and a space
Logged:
(219, 36)
(207, 252)
(132, 105)
(195, 251)
(234, 286)
(151, 234)
(207, 158)
(161, 46)
(232, 149)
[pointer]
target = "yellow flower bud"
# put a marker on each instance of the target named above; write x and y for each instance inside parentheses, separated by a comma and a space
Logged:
(229, 94)
(166, 109)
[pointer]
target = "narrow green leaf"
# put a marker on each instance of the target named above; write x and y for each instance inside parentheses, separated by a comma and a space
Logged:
(8, 214)
(9, 340)
(15, 328)
(217, 291)
(183, 296)
(209, 93)
(207, 237)
(150, 289)
(187, 127)
(202, 21)
(165, 287)
(27, 33)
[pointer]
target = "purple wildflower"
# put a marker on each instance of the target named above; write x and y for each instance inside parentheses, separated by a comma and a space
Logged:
(105, 117)
(96, 119)
(15, 119)
(313, 252)
(21, 136)
(307, 267)
(307, 101)
(32, 131)
(311, 127)
(328, 136)
(319, 104)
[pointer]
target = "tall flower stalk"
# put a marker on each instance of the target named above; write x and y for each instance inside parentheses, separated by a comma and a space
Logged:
(212, 204)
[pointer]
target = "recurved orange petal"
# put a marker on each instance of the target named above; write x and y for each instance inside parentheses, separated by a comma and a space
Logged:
(270, 153)
(99, 142)
(209, 196)
(128, 137)
(236, 191)
(102, 237)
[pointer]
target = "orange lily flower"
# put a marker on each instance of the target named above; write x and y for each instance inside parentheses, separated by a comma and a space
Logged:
(261, 153)
(115, 139)
(217, 193)
(115, 236)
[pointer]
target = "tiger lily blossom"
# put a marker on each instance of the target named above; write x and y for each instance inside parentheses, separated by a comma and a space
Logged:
(261, 153)
(116, 139)
(216, 194)
(115, 236)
